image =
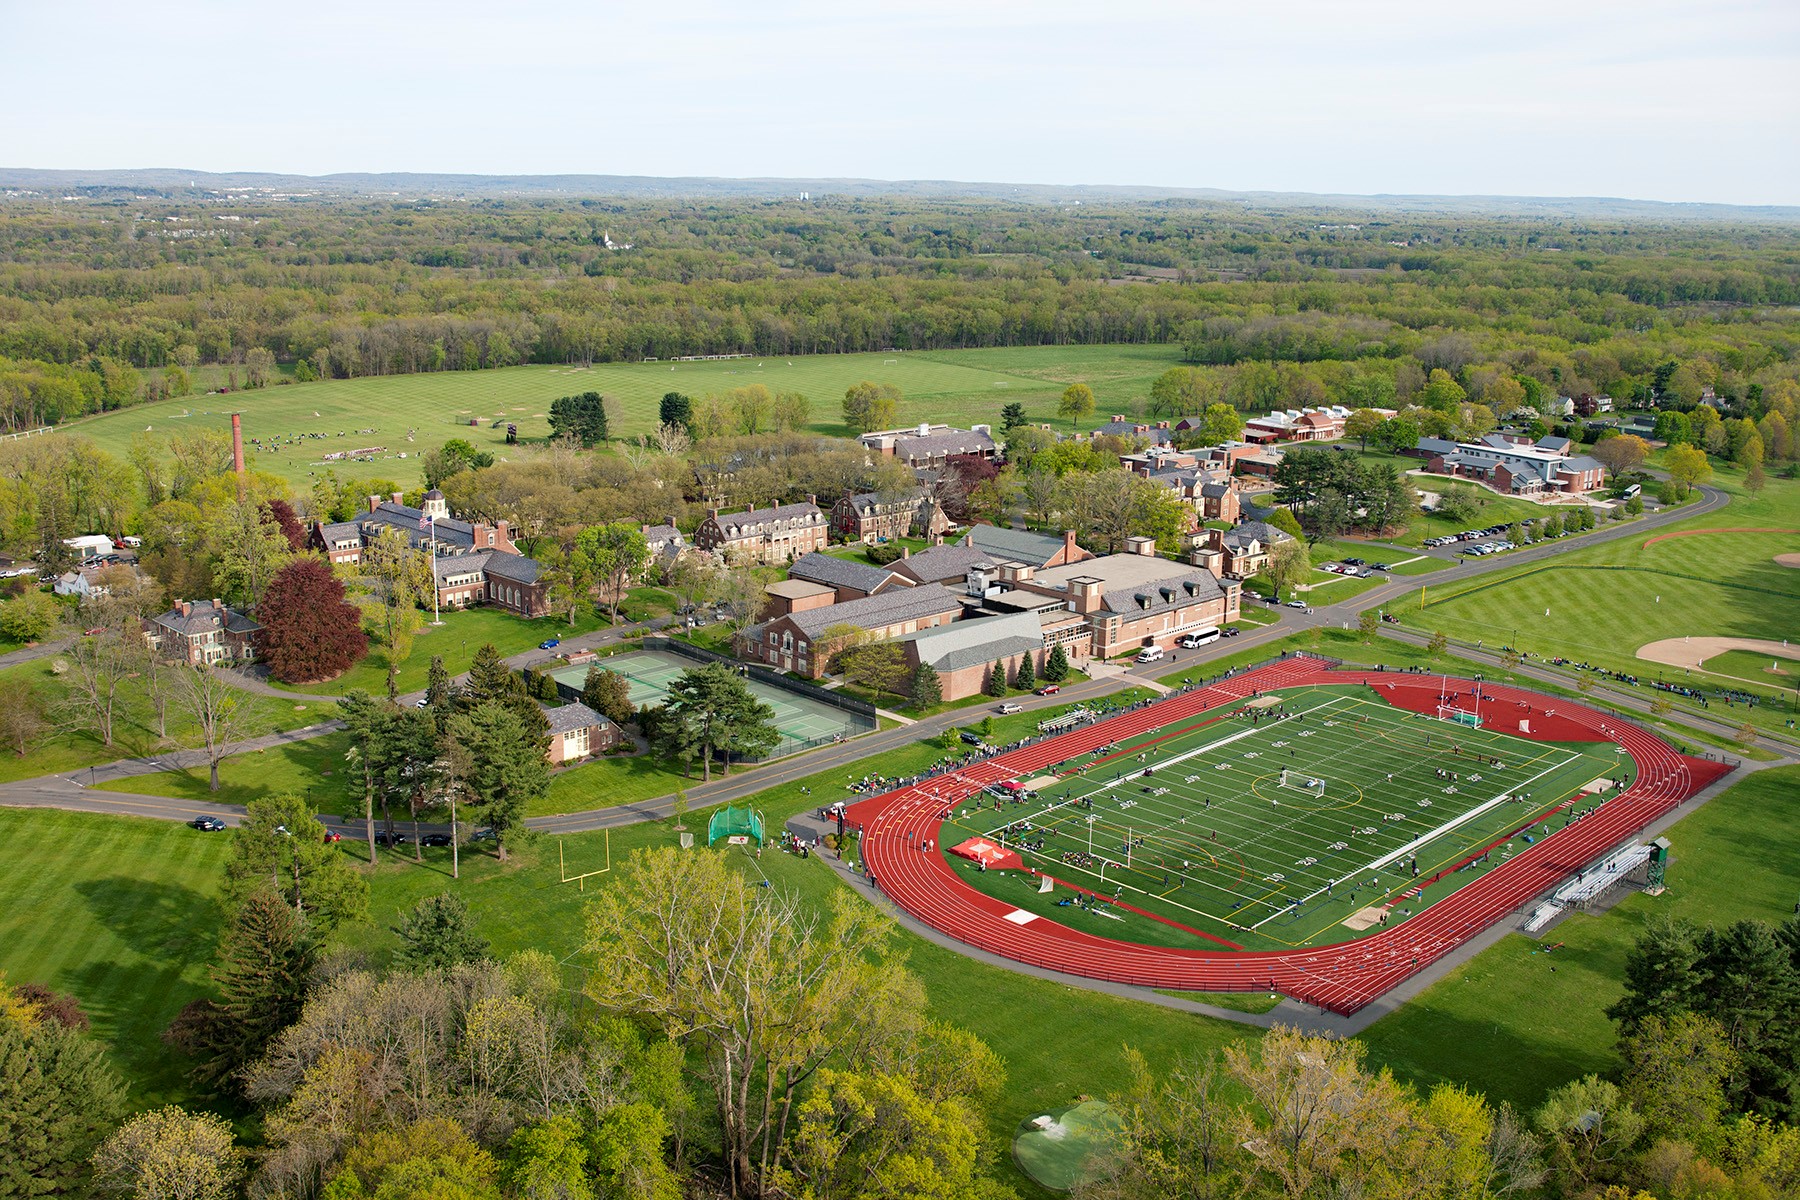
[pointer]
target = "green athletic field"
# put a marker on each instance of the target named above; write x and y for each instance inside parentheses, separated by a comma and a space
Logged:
(1214, 850)
(961, 387)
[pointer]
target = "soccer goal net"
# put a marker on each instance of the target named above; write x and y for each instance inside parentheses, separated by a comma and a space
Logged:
(1458, 716)
(1300, 781)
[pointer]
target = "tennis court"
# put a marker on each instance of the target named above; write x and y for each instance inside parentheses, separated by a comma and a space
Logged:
(803, 722)
(1322, 813)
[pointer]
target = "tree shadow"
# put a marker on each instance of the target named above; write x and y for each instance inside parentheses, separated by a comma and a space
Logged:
(166, 933)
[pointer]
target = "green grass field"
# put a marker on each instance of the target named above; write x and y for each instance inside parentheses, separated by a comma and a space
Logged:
(1516, 1021)
(962, 387)
(457, 640)
(65, 749)
(1600, 603)
(1212, 851)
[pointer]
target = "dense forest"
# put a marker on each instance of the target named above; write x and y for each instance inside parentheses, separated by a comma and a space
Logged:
(104, 302)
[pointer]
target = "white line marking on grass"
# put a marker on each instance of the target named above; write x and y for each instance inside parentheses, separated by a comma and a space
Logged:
(1425, 838)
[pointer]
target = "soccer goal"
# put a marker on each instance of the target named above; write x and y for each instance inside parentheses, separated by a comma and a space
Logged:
(1300, 781)
(1458, 716)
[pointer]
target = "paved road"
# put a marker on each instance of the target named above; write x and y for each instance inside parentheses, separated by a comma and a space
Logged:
(53, 791)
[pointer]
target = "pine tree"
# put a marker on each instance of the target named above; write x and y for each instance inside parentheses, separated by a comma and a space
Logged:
(1056, 667)
(440, 694)
(436, 934)
(608, 693)
(489, 679)
(508, 772)
(1026, 679)
(927, 689)
(57, 1096)
(996, 681)
(264, 960)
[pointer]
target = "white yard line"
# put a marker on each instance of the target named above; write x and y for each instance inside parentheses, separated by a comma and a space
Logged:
(1423, 839)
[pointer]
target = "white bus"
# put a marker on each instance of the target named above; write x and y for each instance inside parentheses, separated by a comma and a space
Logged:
(1198, 638)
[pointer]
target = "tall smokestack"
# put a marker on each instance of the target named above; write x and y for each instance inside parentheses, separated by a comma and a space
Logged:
(237, 450)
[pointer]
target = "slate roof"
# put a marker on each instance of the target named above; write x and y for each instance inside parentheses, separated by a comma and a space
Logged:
(515, 567)
(337, 531)
(911, 446)
(868, 502)
(1432, 445)
(839, 572)
(662, 533)
(203, 617)
(461, 564)
(942, 562)
(1262, 531)
(977, 642)
(1016, 545)
(1164, 595)
(872, 612)
(1584, 463)
(753, 521)
(566, 718)
(1155, 434)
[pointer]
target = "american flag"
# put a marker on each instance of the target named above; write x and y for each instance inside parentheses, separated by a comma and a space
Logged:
(424, 520)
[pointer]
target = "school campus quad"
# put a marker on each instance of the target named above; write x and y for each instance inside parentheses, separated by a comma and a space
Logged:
(1193, 827)
(1307, 891)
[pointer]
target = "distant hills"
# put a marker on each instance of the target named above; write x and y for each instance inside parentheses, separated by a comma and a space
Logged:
(174, 183)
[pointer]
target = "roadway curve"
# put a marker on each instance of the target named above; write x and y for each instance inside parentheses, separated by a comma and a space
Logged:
(1343, 977)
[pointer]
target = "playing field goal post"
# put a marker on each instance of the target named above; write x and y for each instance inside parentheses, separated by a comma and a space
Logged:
(1300, 781)
(735, 825)
(1458, 716)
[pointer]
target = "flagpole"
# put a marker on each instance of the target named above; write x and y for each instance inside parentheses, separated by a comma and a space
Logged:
(435, 618)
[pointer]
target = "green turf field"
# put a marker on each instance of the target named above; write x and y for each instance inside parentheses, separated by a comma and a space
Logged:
(1213, 848)
(961, 387)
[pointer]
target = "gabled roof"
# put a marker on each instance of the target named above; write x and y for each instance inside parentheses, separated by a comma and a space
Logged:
(874, 612)
(515, 567)
(942, 562)
(942, 444)
(1262, 531)
(1584, 463)
(1166, 594)
(869, 502)
(340, 531)
(204, 617)
(971, 643)
(1155, 434)
(1554, 444)
(756, 520)
(462, 564)
(566, 718)
(1016, 545)
(662, 533)
(1433, 445)
(839, 572)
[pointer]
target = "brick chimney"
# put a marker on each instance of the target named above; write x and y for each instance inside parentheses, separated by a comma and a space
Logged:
(712, 513)
(397, 496)
(237, 450)
(502, 536)
(1069, 548)
(184, 607)
(219, 604)
(374, 503)
(812, 499)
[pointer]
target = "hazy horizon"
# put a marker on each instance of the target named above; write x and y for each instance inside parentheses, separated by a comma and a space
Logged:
(1650, 101)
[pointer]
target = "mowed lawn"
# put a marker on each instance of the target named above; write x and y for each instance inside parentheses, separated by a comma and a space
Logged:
(1518, 1021)
(960, 387)
(1600, 603)
(457, 641)
(65, 749)
(120, 912)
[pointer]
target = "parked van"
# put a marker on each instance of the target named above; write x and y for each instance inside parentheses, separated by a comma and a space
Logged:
(1150, 654)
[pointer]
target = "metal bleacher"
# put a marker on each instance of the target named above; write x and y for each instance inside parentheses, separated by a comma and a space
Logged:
(1590, 884)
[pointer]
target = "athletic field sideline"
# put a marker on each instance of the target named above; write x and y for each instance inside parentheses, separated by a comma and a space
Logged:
(1215, 845)
(648, 673)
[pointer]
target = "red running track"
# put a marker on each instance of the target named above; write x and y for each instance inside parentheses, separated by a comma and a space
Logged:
(1341, 977)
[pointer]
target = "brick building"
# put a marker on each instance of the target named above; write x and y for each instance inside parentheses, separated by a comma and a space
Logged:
(927, 446)
(789, 642)
(1521, 469)
(849, 580)
(1023, 546)
(872, 517)
(964, 653)
(476, 563)
(765, 536)
(577, 731)
(202, 631)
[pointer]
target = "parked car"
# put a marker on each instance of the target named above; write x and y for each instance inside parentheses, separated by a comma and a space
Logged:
(1049, 689)
(207, 824)
(1355, 562)
(332, 835)
(1382, 567)
(422, 702)
(549, 643)
(1010, 707)
(1230, 631)
(972, 739)
(435, 839)
(384, 838)
(1296, 604)
(134, 542)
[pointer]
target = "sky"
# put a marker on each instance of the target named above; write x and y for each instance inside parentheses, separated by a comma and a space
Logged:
(1652, 99)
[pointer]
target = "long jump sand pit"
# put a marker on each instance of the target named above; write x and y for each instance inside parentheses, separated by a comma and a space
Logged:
(1690, 652)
